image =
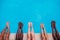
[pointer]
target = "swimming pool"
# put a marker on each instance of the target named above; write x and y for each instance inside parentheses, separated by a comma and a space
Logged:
(36, 11)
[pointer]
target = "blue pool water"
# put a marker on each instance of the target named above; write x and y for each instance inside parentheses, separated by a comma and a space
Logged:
(36, 11)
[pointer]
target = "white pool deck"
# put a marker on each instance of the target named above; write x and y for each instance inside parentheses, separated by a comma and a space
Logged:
(37, 36)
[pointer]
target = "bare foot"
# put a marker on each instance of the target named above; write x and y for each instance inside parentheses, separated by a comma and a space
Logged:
(30, 24)
(42, 26)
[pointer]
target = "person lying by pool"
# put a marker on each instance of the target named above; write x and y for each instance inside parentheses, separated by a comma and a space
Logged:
(55, 33)
(44, 35)
(19, 34)
(30, 35)
(6, 32)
